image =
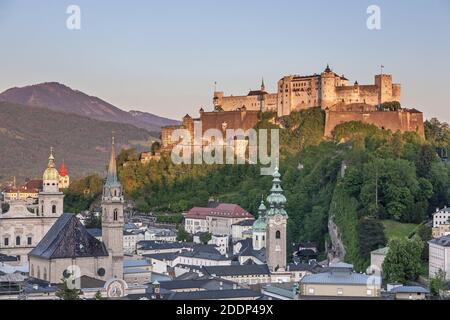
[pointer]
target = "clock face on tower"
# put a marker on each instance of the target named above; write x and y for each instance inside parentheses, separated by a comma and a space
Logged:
(277, 220)
(115, 289)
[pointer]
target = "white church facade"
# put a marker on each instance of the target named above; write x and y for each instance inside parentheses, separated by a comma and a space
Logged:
(23, 227)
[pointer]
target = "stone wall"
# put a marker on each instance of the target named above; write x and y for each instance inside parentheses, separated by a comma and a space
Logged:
(403, 120)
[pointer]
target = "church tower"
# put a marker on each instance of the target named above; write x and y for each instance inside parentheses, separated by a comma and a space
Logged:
(112, 217)
(260, 228)
(276, 226)
(51, 200)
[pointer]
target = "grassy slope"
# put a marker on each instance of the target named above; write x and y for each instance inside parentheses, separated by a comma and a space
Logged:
(394, 229)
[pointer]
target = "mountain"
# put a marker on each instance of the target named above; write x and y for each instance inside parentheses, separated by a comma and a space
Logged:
(58, 97)
(26, 135)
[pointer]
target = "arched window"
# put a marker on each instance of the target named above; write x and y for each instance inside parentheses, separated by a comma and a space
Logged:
(278, 234)
(116, 214)
(54, 208)
(18, 241)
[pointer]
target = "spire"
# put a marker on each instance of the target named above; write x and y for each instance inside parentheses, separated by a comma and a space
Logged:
(262, 207)
(51, 159)
(328, 69)
(111, 178)
(276, 199)
(263, 86)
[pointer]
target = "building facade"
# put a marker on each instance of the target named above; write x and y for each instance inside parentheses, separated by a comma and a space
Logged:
(340, 281)
(22, 227)
(439, 256)
(217, 220)
(327, 89)
(64, 178)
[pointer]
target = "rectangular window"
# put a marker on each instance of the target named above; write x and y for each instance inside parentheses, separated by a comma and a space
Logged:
(311, 290)
(369, 292)
(340, 292)
(6, 242)
(29, 241)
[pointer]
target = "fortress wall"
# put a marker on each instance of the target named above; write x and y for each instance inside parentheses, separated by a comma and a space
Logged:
(389, 120)
(231, 103)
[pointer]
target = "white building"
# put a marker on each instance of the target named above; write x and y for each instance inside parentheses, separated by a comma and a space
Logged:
(439, 256)
(21, 229)
(242, 230)
(156, 234)
(441, 217)
(130, 240)
(221, 241)
(217, 219)
(376, 260)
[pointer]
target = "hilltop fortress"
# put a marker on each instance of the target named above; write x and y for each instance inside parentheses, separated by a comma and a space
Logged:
(326, 90)
(340, 101)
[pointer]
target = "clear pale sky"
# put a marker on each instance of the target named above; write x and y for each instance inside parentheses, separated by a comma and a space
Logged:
(164, 56)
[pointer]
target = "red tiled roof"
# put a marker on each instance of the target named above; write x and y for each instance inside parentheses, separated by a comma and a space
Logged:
(226, 210)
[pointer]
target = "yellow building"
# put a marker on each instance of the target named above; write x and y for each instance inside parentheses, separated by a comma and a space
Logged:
(341, 282)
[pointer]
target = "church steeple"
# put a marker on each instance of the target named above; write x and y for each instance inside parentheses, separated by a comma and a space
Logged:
(276, 226)
(263, 86)
(276, 199)
(113, 217)
(111, 178)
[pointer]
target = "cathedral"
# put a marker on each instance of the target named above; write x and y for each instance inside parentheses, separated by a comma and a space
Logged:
(22, 227)
(69, 250)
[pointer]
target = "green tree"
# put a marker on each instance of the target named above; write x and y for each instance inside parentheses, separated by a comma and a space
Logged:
(66, 293)
(182, 234)
(438, 284)
(98, 296)
(425, 159)
(205, 237)
(93, 221)
(403, 260)
(371, 236)
(391, 106)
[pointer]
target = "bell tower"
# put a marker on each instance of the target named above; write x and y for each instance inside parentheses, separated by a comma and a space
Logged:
(276, 218)
(51, 200)
(112, 217)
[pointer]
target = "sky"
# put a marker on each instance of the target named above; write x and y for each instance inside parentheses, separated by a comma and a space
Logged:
(163, 57)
